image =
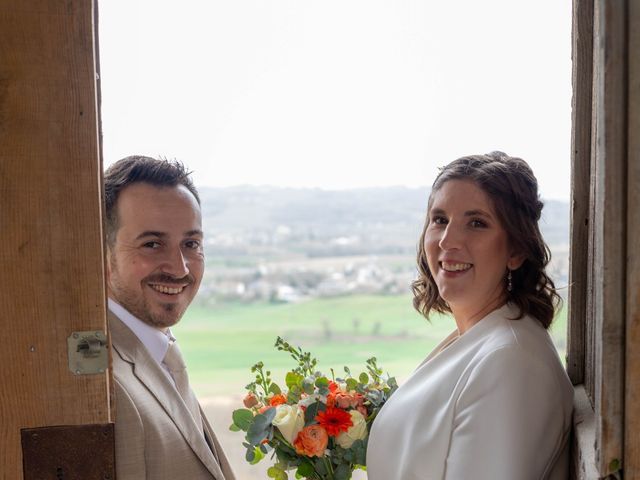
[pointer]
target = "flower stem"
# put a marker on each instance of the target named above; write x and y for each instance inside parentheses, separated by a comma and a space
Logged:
(328, 466)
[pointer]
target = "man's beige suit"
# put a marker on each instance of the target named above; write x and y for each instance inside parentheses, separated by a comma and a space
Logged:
(156, 436)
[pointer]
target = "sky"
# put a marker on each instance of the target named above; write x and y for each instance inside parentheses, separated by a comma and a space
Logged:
(337, 94)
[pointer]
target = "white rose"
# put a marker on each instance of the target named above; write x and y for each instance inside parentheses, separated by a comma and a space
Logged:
(358, 431)
(289, 420)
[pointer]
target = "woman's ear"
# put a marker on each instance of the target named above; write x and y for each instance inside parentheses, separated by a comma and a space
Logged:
(515, 261)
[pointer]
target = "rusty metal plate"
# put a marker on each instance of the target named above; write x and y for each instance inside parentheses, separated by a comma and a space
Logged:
(74, 452)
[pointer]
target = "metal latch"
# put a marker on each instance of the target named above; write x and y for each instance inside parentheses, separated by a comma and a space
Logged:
(87, 352)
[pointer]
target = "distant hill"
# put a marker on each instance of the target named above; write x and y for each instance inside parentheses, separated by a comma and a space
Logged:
(391, 216)
(286, 244)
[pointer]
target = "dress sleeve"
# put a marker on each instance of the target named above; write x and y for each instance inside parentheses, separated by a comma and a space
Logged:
(129, 433)
(508, 419)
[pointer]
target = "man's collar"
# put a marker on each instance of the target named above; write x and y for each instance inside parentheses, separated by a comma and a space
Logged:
(154, 340)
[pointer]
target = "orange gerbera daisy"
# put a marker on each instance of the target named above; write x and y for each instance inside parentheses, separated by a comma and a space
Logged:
(334, 420)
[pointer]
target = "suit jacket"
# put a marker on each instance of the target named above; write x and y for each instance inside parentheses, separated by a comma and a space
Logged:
(156, 436)
(492, 404)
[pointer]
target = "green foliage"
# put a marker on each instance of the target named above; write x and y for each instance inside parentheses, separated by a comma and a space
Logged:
(305, 470)
(258, 454)
(367, 393)
(277, 473)
(242, 419)
(312, 411)
(294, 379)
(261, 427)
(306, 363)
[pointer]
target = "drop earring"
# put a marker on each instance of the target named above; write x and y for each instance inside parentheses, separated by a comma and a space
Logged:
(509, 282)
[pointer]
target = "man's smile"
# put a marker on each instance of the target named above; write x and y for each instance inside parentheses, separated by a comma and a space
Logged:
(167, 290)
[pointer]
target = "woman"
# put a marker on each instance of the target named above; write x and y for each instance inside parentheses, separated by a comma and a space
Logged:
(493, 400)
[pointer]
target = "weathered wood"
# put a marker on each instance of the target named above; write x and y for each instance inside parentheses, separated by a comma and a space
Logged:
(52, 279)
(632, 352)
(583, 465)
(610, 218)
(582, 80)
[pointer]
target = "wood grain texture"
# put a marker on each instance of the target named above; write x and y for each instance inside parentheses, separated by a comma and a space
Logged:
(632, 354)
(52, 279)
(581, 111)
(583, 465)
(610, 220)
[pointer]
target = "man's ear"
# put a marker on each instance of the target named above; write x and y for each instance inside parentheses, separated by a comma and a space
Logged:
(108, 262)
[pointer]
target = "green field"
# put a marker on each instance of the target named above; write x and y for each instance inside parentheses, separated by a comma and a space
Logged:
(222, 343)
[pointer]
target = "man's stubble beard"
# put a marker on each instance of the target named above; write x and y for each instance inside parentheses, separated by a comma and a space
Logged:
(136, 304)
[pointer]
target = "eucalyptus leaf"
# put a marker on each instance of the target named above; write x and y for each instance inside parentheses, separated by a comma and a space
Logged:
(261, 426)
(343, 472)
(352, 383)
(308, 385)
(311, 412)
(359, 452)
(275, 389)
(234, 428)
(250, 455)
(364, 378)
(242, 418)
(293, 379)
(277, 473)
(320, 467)
(322, 382)
(258, 455)
(305, 470)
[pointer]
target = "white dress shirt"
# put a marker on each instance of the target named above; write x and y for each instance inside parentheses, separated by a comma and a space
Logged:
(155, 340)
(494, 403)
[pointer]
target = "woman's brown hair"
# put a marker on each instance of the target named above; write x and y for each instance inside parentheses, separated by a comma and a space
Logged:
(513, 189)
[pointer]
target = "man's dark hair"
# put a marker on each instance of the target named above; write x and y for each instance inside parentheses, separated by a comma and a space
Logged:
(140, 169)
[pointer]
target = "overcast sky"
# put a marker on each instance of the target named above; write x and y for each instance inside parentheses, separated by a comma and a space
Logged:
(337, 94)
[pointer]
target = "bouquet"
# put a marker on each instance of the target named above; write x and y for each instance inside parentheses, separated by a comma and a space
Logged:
(318, 425)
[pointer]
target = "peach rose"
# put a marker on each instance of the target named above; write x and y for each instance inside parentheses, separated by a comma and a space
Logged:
(250, 400)
(312, 441)
(346, 400)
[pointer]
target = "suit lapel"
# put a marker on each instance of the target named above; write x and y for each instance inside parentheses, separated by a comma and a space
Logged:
(147, 370)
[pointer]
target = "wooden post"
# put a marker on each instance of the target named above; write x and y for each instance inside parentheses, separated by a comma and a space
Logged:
(52, 278)
(632, 351)
(582, 73)
(611, 230)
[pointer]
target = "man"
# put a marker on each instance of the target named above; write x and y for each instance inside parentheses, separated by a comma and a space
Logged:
(155, 263)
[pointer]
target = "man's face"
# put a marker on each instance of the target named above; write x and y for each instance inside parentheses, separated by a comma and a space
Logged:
(156, 263)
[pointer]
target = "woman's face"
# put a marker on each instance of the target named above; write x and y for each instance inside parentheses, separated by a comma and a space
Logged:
(467, 250)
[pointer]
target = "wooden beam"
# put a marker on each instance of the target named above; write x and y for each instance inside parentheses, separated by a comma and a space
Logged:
(632, 357)
(610, 220)
(581, 111)
(583, 465)
(52, 280)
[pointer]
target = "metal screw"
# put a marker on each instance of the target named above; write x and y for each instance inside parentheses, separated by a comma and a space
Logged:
(78, 371)
(32, 348)
(101, 370)
(75, 335)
